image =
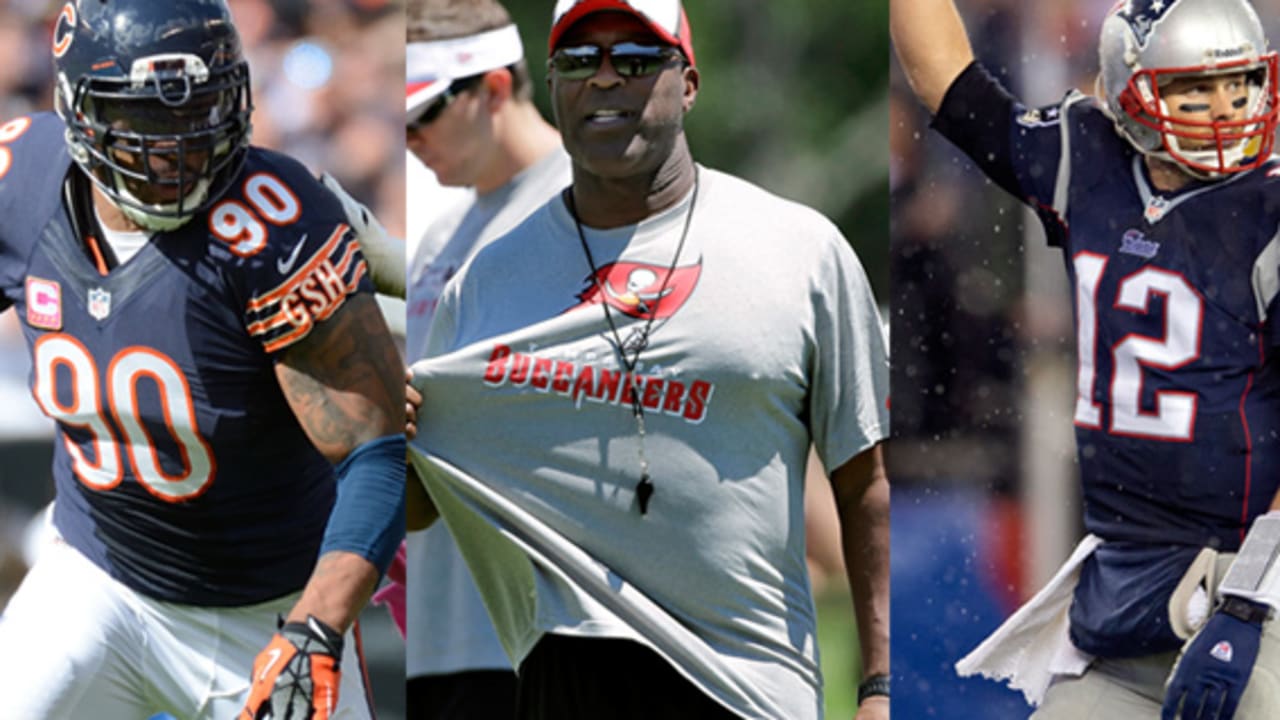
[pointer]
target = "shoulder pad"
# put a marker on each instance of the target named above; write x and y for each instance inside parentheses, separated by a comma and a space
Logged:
(297, 258)
(33, 159)
(33, 163)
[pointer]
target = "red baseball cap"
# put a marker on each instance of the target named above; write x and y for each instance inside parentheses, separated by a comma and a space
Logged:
(666, 18)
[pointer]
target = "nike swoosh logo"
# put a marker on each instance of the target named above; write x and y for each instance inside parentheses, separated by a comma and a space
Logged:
(274, 653)
(284, 265)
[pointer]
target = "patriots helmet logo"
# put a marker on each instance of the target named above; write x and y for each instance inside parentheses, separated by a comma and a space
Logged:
(640, 290)
(1143, 15)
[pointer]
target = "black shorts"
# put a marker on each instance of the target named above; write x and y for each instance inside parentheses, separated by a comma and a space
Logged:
(570, 678)
(473, 695)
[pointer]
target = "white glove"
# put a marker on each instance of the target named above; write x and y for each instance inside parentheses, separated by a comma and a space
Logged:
(385, 254)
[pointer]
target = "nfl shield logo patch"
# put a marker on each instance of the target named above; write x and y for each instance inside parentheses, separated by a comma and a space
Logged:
(1156, 208)
(44, 303)
(99, 303)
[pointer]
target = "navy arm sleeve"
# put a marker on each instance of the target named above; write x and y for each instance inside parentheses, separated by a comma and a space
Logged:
(976, 114)
(1019, 148)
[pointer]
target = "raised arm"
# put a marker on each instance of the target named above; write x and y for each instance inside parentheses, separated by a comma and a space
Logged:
(862, 501)
(932, 46)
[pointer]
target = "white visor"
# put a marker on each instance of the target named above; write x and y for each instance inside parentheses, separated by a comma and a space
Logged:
(430, 67)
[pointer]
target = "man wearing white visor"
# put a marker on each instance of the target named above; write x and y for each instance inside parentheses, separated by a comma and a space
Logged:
(617, 402)
(469, 118)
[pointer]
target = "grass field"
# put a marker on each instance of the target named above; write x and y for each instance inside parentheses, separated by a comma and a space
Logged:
(838, 645)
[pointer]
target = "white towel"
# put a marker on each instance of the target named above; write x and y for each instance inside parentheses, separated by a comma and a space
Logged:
(1033, 645)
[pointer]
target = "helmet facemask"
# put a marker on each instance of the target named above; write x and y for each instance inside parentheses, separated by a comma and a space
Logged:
(163, 142)
(1208, 148)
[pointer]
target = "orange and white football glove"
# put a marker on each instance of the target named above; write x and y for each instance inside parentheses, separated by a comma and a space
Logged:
(296, 676)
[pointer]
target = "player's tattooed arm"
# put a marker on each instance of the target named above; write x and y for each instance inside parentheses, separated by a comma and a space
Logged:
(343, 380)
(344, 383)
(861, 488)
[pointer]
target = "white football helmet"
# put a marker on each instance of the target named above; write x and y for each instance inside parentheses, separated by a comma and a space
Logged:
(1147, 43)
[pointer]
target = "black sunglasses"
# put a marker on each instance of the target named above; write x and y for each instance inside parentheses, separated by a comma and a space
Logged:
(630, 60)
(442, 101)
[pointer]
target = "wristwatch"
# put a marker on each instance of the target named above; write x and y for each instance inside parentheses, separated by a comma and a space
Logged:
(1246, 610)
(873, 685)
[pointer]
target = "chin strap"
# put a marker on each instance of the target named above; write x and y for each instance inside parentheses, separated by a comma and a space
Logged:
(161, 223)
(153, 223)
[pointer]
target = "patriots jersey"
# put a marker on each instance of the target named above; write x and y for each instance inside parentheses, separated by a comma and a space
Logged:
(179, 466)
(1177, 415)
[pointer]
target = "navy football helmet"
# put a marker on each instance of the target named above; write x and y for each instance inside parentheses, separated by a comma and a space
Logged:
(156, 100)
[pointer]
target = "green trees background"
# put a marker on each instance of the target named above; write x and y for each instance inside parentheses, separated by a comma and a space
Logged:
(794, 97)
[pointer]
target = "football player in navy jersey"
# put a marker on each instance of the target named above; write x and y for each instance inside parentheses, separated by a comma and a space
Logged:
(1162, 194)
(230, 462)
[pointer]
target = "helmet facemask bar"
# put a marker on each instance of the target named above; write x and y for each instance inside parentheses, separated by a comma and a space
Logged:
(166, 142)
(1231, 146)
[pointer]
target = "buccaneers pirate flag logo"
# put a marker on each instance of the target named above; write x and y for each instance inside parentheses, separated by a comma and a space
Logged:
(640, 290)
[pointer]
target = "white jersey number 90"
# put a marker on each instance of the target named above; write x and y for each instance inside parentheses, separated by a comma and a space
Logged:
(86, 410)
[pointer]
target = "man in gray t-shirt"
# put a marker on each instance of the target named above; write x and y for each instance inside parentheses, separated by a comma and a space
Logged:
(617, 402)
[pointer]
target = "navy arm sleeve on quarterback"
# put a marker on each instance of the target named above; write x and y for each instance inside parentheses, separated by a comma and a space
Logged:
(977, 115)
(368, 514)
